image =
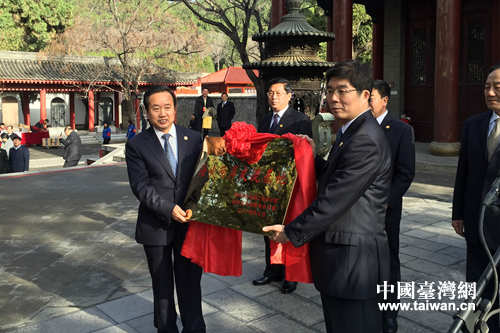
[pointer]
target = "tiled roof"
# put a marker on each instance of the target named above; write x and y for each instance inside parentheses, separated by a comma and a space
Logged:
(29, 67)
(231, 75)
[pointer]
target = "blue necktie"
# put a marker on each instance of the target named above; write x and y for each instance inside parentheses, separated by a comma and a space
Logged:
(170, 153)
(274, 124)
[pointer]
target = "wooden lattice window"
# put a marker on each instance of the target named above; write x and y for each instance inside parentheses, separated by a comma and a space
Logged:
(476, 49)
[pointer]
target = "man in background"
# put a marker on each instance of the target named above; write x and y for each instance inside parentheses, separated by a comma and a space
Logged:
(402, 142)
(19, 156)
(72, 145)
(225, 114)
(201, 106)
(478, 166)
(283, 119)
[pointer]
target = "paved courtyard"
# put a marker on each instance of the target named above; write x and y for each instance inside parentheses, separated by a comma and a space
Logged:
(69, 263)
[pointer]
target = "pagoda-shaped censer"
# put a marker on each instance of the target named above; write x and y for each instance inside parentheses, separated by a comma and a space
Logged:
(291, 52)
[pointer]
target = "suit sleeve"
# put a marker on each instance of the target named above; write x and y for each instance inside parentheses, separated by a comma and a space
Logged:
(404, 170)
(142, 186)
(356, 169)
(306, 126)
(459, 189)
(232, 112)
(26, 159)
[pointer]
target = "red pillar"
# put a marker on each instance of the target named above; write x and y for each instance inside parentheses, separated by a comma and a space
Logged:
(137, 113)
(117, 109)
(278, 9)
(72, 110)
(378, 48)
(43, 105)
(25, 102)
(447, 70)
(340, 22)
(91, 110)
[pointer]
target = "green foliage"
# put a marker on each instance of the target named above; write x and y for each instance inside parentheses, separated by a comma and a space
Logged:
(362, 28)
(29, 25)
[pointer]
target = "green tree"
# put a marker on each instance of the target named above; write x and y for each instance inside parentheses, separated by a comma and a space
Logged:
(29, 25)
(136, 35)
(362, 27)
(238, 20)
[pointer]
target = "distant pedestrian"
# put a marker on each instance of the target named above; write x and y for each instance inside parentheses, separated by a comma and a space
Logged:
(6, 142)
(106, 134)
(131, 130)
(19, 156)
(225, 114)
(72, 145)
(4, 161)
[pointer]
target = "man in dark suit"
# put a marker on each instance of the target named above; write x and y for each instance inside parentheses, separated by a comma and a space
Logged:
(160, 162)
(225, 114)
(478, 166)
(201, 105)
(72, 145)
(345, 224)
(19, 156)
(402, 142)
(283, 119)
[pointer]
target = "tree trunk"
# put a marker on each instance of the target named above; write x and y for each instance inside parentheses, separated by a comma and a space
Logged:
(128, 112)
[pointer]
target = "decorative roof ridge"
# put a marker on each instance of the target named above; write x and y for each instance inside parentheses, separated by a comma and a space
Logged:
(36, 56)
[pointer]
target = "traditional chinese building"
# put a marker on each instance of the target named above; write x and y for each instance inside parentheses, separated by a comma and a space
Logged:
(230, 80)
(434, 53)
(78, 91)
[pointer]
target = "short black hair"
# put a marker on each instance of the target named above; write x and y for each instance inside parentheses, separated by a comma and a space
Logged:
(383, 88)
(155, 90)
(224, 93)
(4, 136)
(493, 68)
(285, 82)
(351, 71)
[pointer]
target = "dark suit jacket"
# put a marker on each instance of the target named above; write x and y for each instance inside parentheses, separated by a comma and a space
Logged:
(225, 115)
(4, 161)
(473, 180)
(198, 112)
(155, 186)
(19, 159)
(72, 146)
(345, 224)
(293, 121)
(402, 141)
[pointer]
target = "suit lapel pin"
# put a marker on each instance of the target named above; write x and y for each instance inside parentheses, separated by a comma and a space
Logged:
(387, 126)
(186, 138)
(281, 125)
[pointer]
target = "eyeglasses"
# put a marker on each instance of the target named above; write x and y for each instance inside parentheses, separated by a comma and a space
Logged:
(275, 93)
(340, 92)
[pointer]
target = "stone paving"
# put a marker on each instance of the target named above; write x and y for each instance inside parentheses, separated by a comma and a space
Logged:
(69, 263)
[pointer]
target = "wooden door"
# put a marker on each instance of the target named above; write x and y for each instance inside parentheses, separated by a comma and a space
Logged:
(419, 78)
(475, 57)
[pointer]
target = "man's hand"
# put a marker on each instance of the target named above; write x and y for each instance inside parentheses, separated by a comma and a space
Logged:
(278, 233)
(458, 225)
(179, 214)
